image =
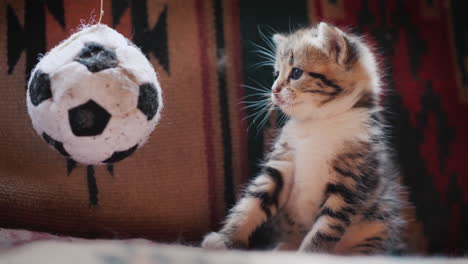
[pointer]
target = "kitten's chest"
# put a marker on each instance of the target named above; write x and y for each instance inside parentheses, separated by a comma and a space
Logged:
(315, 145)
(310, 177)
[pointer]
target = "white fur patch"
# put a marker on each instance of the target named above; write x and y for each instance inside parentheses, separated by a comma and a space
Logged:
(214, 241)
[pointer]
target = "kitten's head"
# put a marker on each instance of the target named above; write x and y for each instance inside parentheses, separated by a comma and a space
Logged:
(322, 71)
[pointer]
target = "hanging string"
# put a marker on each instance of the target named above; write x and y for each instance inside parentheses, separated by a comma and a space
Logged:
(101, 13)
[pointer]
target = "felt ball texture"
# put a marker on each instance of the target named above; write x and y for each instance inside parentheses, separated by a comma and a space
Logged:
(95, 98)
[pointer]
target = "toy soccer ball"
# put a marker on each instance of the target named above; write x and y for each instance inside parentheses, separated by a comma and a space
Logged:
(95, 97)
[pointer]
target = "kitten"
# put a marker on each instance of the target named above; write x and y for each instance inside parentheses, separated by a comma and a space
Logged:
(328, 185)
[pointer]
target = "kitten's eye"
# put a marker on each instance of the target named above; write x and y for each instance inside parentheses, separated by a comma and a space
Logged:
(296, 73)
(275, 75)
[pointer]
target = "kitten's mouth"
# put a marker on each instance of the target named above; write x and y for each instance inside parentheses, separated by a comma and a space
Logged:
(285, 104)
(278, 100)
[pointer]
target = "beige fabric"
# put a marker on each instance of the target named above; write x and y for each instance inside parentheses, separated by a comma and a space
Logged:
(139, 252)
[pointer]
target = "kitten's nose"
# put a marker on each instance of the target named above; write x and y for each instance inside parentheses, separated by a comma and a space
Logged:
(277, 89)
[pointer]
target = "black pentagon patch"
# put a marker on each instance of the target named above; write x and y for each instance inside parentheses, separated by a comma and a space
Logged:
(97, 57)
(39, 88)
(148, 100)
(56, 144)
(88, 119)
(120, 155)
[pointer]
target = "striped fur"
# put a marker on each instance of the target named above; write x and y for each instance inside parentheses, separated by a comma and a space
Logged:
(328, 185)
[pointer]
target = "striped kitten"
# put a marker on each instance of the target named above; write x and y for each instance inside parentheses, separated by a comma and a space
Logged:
(328, 185)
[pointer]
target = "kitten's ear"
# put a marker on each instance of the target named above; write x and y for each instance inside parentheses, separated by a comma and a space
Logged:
(278, 38)
(337, 44)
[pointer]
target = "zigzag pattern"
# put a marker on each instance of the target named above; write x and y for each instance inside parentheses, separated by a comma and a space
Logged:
(150, 40)
(30, 38)
(407, 139)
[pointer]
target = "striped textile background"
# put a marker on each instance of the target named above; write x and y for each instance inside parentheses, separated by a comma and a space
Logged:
(181, 183)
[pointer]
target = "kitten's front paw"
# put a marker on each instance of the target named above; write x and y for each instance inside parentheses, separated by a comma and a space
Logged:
(215, 241)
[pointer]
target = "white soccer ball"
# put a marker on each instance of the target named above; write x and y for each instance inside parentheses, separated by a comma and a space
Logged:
(95, 97)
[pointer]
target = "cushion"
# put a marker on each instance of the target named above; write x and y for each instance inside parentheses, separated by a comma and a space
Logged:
(33, 247)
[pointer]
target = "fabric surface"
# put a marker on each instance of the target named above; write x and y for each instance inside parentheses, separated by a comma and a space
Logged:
(180, 184)
(49, 249)
(11, 238)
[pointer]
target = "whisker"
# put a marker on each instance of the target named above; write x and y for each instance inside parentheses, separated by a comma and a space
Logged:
(265, 52)
(253, 87)
(279, 119)
(267, 39)
(266, 62)
(263, 100)
(283, 118)
(246, 99)
(257, 115)
(262, 48)
(262, 64)
(264, 88)
(271, 28)
(257, 105)
(266, 57)
(265, 109)
(264, 114)
(252, 124)
(265, 119)
(264, 93)
(257, 90)
(259, 84)
(253, 106)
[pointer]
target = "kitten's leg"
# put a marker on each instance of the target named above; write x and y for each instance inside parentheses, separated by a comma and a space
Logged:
(333, 218)
(355, 181)
(377, 230)
(372, 245)
(365, 237)
(261, 200)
